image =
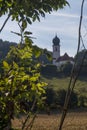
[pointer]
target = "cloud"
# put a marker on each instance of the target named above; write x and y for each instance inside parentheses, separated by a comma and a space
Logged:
(65, 15)
(63, 22)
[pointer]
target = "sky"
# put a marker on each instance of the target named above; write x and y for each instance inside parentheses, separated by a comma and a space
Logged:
(64, 23)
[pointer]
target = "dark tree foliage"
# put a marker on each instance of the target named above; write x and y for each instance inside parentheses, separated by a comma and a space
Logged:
(84, 65)
(50, 96)
(66, 69)
(55, 99)
(49, 70)
(22, 10)
(5, 48)
(60, 98)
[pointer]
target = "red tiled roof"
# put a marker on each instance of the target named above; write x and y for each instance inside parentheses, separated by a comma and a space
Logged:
(65, 57)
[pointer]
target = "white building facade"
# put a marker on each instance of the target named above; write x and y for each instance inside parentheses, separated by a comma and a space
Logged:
(57, 59)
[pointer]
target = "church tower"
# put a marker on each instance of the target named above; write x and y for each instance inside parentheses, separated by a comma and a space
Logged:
(56, 49)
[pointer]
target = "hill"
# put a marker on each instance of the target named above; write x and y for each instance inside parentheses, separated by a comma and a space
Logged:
(6, 45)
(58, 86)
(57, 79)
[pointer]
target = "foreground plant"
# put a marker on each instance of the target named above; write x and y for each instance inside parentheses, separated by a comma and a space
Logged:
(20, 85)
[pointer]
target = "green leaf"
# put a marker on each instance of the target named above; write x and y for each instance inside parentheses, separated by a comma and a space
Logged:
(34, 18)
(38, 18)
(28, 20)
(37, 51)
(27, 33)
(15, 65)
(9, 3)
(49, 56)
(42, 13)
(6, 65)
(24, 25)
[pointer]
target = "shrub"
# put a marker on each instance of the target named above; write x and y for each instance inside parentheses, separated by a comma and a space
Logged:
(50, 96)
(49, 69)
(66, 68)
(60, 98)
(82, 100)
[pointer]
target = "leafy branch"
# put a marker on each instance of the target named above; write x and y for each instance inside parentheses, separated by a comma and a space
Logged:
(5, 22)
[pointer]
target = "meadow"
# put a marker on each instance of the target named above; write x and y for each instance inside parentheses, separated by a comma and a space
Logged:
(62, 83)
(73, 121)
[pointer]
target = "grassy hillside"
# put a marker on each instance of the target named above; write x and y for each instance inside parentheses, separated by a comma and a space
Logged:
(62, 83)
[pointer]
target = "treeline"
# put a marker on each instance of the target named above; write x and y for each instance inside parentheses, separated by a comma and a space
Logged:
(53, 71)
(5, 47)
(43, 58)
(55, 99)
(48, 68)
(65, 69)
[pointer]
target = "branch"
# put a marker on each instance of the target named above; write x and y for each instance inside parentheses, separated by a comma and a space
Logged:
(21, 32)
(28, 115)
(5, 22)
(80, 23)
(83, 43)
(74, 75)
(31, 123)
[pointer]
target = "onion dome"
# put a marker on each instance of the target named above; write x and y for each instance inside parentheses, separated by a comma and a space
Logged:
(56, 41)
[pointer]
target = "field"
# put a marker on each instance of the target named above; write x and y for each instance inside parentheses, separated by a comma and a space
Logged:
(62, 83)
(73, 121)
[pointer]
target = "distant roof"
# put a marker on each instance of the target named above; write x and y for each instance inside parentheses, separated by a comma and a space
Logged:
(56, 41)
(65, 57)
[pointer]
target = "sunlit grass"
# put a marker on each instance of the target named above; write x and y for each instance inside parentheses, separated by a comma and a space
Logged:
(62, 83)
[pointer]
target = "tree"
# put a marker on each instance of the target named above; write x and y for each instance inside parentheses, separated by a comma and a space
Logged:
(60, 97)
(50, 96)
(79, 58)
(26, 11)
(4, 48)
(66, 68)
(20, 80)
(49, 69)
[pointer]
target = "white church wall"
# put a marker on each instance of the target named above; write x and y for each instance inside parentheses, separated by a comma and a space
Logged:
(56, 53)
(58, 64)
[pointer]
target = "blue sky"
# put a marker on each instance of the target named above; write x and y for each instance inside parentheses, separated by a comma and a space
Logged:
(64, 23)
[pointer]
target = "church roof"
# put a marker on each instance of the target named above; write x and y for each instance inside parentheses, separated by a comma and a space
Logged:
(65, 57)
(56, 41)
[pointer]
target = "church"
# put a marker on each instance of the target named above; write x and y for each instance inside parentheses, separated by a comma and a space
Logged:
(57, 59)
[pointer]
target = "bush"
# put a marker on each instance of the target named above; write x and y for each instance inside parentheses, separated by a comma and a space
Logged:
(82, 100)
(56, 99)
(60, 98)
(50, 96)
(66, 68)
(49, 69)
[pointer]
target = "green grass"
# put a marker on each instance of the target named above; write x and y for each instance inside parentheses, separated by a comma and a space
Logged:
(57, 83)
(62, 83)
